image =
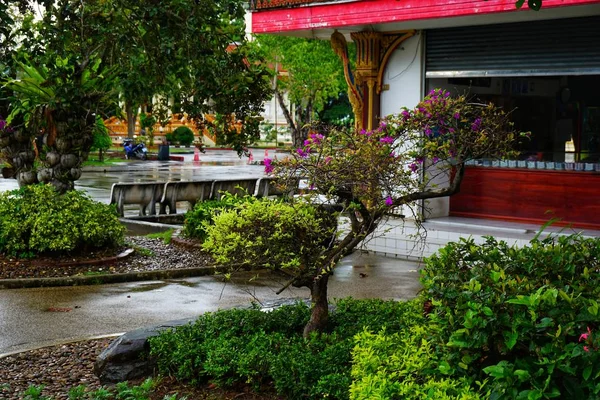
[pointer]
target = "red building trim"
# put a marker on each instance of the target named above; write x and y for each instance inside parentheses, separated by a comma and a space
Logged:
(339, 15)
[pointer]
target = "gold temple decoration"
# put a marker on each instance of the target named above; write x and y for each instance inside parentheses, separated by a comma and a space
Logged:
(373, 51)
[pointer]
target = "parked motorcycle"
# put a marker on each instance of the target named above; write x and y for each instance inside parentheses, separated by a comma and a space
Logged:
(133, 150)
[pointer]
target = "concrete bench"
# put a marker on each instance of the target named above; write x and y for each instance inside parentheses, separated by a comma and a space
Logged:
(267, 187)
(190, 191)
(146, 195)
(233, 186)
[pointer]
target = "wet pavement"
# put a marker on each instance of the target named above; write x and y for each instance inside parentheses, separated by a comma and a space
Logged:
(44, 316)
(37, 317)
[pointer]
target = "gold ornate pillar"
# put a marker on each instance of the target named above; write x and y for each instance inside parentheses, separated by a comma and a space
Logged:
(365, 83)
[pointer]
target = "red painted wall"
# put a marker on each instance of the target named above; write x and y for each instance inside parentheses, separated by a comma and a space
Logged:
(529, 196)
(382, 11)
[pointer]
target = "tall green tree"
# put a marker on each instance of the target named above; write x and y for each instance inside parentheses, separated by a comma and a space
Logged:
(308, 71)
(84, 56)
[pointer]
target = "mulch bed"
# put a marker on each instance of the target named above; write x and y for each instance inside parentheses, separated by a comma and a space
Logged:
(138, 255)
(99, 261)
(60, 368)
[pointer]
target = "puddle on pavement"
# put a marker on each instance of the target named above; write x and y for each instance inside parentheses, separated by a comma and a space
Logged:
(184, 283)
(148, 287)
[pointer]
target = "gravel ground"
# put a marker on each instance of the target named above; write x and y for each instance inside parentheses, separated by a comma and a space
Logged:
(149, 255)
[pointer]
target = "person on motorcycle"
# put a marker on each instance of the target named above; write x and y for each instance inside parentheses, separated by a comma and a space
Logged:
(128, 147)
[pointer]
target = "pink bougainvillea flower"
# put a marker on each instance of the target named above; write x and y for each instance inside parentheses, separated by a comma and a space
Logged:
(328, 159)
(413, 167)
(389, 201)
(268, 166)
(387, 140)
(585, 336)
(302, 153)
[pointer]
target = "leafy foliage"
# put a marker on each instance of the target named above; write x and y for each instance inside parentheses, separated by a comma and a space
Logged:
(314, 76)
(183, 135)
(399, 366)
(36, 219)
(270, 233)
(251, 347)
(525, 318)
(202, 216)
(121, 391)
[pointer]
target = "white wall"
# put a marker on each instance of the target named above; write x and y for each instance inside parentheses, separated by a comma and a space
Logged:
(404, 74)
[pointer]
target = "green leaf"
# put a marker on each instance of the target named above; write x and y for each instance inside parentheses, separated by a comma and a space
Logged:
(510, 339)
(497, 371)
(587, 372)
(445, 368)
(519, 3)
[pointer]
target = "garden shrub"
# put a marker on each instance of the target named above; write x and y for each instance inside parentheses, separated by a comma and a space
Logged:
(401, 366)
(202, 215)
(36, 219)
(183, 135)
(525, 318)
(270, 233)
(267, 350)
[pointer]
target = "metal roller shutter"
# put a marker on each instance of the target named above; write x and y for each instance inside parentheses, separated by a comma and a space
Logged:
(553, 47)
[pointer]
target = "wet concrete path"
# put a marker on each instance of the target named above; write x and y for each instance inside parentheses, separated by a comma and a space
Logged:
(44, 316)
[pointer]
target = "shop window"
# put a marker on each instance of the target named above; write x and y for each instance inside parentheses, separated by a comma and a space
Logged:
(561, 112)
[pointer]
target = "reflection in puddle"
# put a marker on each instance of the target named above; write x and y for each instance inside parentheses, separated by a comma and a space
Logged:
(148, 287)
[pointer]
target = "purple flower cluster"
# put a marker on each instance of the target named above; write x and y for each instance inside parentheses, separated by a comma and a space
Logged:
(387, 140)
(268, 166)
(313, 138)
(476, 125)
(302, 153)
(4, 127)
(389, 201)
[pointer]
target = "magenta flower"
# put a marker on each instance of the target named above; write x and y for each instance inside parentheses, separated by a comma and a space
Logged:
(405, 115)
(435, 160)
(387, 140)
(328, 159)
(428, 131)
(413, 167)
(268, 166)
(456, 115)
(476, 125)
(302, 153)
(389, 201)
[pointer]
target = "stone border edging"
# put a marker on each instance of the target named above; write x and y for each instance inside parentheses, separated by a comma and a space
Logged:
(109, 278)
(62, 342)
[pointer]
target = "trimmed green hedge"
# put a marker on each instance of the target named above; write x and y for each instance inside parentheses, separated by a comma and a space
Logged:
(36, 219)
(267, 350)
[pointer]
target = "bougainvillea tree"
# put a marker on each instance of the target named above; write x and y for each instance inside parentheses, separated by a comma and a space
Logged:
(412, 156)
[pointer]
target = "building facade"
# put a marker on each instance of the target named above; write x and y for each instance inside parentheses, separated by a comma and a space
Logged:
(543, 66)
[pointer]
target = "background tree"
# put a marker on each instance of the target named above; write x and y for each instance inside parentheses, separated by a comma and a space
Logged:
(101, 139)
(416, 155)
(314, 76)
(90, 55)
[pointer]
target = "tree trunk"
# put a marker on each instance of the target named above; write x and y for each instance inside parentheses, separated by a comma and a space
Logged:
(294, 130)
(320, 308)
(100, 155)
(130, 120)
